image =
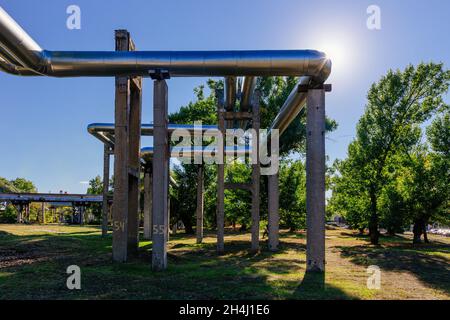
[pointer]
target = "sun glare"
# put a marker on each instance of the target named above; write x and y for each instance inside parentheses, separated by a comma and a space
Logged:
(336, 52)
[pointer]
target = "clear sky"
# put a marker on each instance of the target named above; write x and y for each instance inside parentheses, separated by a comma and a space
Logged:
(43, 121)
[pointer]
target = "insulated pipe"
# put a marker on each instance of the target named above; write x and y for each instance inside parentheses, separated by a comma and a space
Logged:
(247, 91)
(8, 67)
(103, 129)
(16, 42)
(248, 88)
(8, 58)
(291, 107)
(230, 97)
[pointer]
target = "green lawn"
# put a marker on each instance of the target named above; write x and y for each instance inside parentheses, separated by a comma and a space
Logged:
(34, 258)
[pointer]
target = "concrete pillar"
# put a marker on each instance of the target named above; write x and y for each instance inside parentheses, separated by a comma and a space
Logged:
(168, 210)
(81, 214)
(19, 209)
(134, 149)
(175, 227)
(256, 173)
(220, 213)
(199, 212)
(27, 213)
(106, 158)
(160, 175)
(148, 203)
(120, 198)
(43, 212)
(61, 216)
(274, 215)
(315, 180)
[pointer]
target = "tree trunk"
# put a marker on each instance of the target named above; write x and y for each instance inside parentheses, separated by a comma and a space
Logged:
(361, 231)
(373, 222)
(188, 225)
(391, 232)
(417, 231)
(425, 235)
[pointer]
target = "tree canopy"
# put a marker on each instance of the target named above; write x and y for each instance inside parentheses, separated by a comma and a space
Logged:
(387, 139)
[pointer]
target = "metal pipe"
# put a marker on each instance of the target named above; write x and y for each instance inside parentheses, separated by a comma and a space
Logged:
(102, 129)
(248, 88)
(8, 58)
(230, 97)
(291, 107)
(8, 67)
(18, 44)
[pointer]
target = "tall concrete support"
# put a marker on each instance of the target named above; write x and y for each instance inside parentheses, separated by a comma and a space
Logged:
(220, 213)
(27, 213)
(168, 210)
(274, 215)
(160, 175)
(315, 180)
(120, 198)
(256, 173)
(134, 148)
(19, 209)
(200, 193)
(43, 212)
(81, 214)
(106, 157)
(61, 216)
(148, 202)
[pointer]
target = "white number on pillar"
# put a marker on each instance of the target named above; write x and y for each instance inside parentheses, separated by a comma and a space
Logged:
(158, 229)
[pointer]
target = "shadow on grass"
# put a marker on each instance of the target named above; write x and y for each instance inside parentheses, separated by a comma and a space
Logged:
(419, 260)
(34, 267)
(314, 287)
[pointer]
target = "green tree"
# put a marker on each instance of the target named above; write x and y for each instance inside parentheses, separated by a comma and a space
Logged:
(349, 198)
(427, 179)
(96, 187)
(238, 202)
(439, 135)
(397, 105)
(184, 203)
(24, 185)
(274, 91)
(18, 185)
(7, 187)
(292, 195)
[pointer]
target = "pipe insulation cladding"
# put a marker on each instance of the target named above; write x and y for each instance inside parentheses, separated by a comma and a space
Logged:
(21, 55)
(24, 56)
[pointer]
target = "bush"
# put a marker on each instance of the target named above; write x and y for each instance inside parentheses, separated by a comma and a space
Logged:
(9, 215)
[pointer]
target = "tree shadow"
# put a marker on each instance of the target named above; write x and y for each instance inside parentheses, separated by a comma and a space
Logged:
(314, 287)
(421, 261)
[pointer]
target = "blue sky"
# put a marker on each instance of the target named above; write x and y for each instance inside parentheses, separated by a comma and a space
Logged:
(43, 121)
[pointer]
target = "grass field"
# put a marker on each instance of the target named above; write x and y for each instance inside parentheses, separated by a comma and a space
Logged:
(34, 258)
